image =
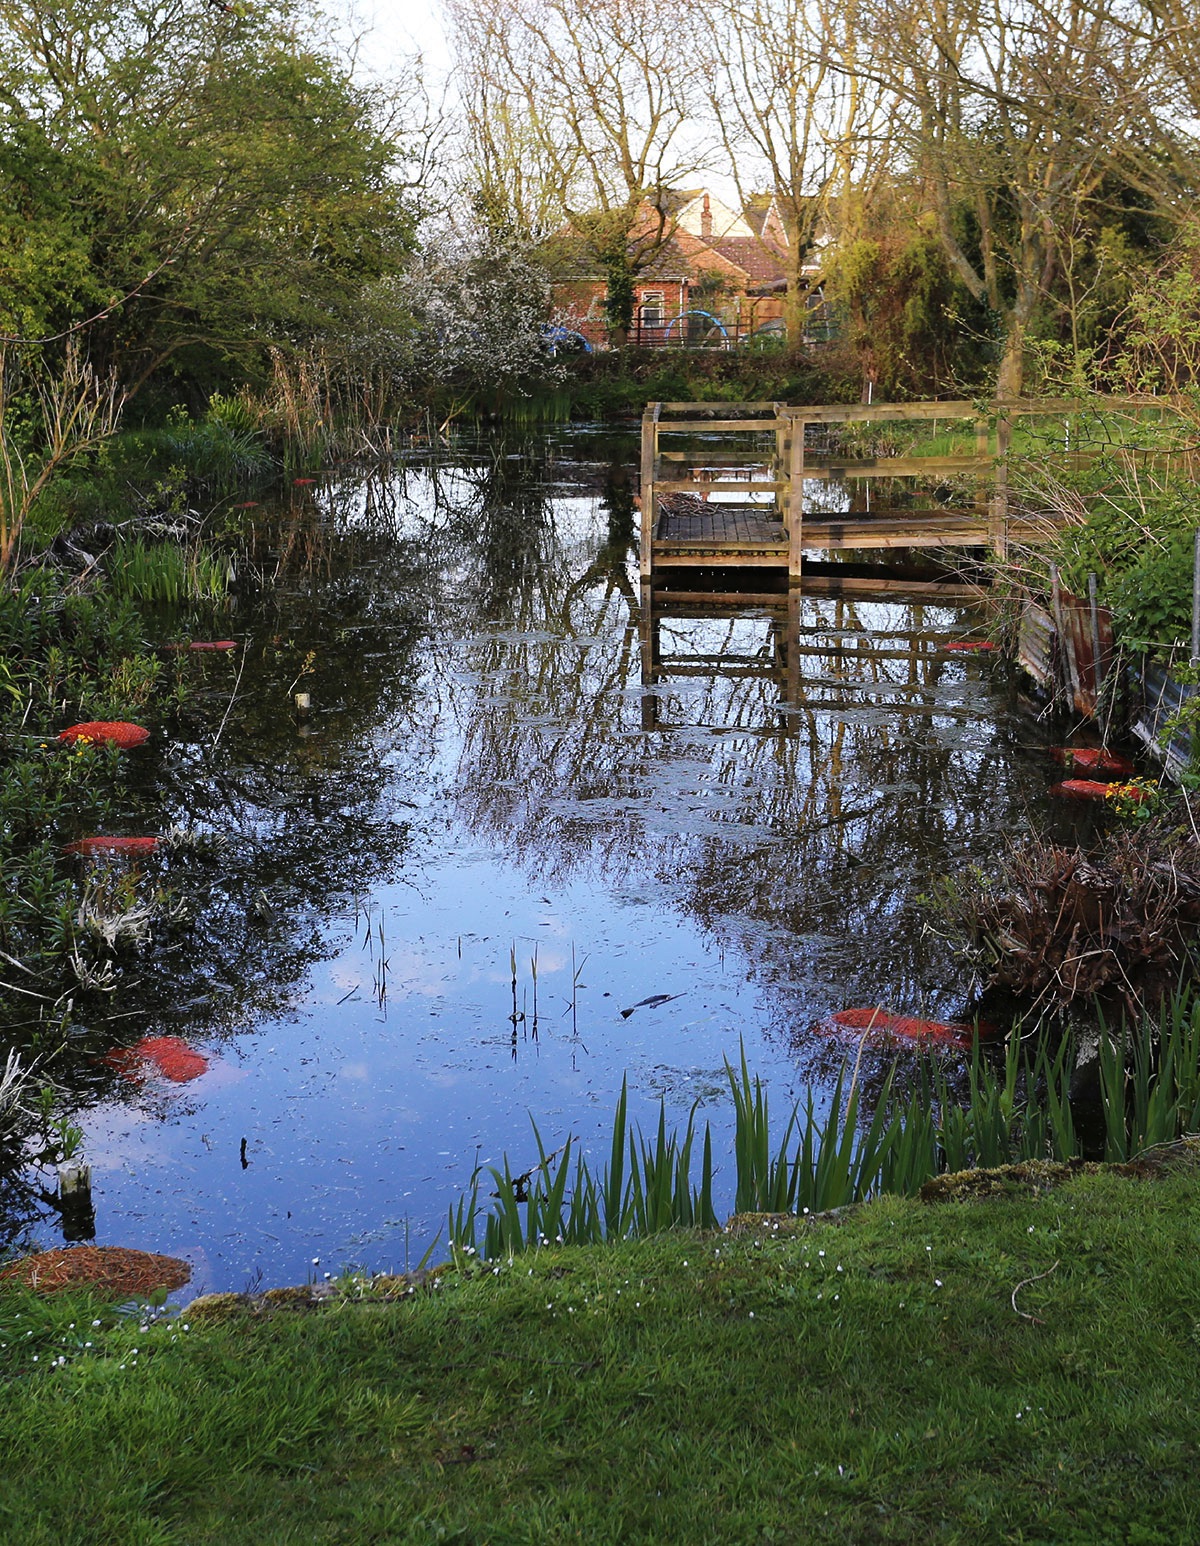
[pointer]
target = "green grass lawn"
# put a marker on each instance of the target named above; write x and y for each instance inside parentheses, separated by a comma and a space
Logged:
(867, 1380)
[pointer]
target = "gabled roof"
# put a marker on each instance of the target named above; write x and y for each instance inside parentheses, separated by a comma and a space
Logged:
(760, 264)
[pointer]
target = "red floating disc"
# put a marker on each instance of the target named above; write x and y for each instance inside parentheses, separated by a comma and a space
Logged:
(171, 1056)
(1080, 789)
(961, 646)
(117, 732)
(906, 1027)
(112, 845)
(303, 482)
(1093, 759)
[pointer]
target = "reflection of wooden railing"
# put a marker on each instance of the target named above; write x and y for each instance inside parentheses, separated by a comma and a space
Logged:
(770, 527)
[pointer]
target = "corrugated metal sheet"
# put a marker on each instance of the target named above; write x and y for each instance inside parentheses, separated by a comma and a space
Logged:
(1086, 667)
(1160, 696)
(1036, 643)
(1068, 656)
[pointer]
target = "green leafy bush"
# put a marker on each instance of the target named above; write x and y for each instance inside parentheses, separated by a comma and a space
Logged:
(1151, 600)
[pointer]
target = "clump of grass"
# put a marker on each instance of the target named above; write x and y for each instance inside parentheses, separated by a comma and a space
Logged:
(1148, 1082)
(645, 1188)
(149, 573)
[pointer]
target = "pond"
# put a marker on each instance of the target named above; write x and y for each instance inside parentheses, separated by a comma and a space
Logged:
(505, 860)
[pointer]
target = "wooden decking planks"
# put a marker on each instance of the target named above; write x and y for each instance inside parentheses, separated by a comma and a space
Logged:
(747, 530)
(732, 525)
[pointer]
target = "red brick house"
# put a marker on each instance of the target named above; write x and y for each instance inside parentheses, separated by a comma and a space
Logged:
(715, 275)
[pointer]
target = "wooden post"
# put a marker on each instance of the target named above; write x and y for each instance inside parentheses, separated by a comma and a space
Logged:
(649, 471)
(983, 446)
(781, 451)
(795, 521)
(999, 532)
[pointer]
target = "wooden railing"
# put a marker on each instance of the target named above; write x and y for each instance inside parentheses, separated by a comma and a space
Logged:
(787, 464)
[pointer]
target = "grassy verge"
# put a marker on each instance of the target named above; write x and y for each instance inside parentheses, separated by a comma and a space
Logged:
(1017, 1368)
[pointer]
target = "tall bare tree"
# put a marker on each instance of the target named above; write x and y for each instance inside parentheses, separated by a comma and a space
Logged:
(583, 106)
(1018, 110)
(796, 113)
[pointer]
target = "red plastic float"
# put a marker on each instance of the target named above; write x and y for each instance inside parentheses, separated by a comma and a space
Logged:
(962, 646)
(1080, 789)
(1093, 759)
(170, 1055)
(887, 1026)
(303, 482)
(204, 644)
(112, 845)
(116, 732)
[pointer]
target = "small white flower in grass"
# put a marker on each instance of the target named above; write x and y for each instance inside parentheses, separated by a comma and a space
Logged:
(820, 1253)
(839, 1266)
(1029, 1231)
(937, 1282)
(95, 1323)
(751, 1314)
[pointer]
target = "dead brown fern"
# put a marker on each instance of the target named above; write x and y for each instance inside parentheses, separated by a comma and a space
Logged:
(1059, 924)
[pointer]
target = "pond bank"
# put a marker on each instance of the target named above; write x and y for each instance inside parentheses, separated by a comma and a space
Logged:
(1017, 1368)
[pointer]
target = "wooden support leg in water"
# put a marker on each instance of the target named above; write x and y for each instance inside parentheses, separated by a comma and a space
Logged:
(795, 597)
(650, 646)
(795, 521)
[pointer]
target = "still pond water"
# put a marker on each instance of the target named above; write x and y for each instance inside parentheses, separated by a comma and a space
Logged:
(486, 789)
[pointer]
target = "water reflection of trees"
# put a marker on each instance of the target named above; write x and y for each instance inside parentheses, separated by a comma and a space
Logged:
(480, 606)
(803, 837)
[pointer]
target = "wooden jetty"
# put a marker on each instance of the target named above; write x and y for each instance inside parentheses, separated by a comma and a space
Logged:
(723, 485)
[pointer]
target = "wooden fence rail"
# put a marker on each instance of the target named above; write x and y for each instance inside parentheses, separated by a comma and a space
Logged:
(692, 514)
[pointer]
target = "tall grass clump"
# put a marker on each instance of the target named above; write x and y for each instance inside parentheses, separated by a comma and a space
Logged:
(149, 573)
(1021, 1109)
(645, 1188)
(220, 451)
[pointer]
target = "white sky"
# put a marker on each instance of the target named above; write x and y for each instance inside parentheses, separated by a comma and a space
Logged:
(392, 32)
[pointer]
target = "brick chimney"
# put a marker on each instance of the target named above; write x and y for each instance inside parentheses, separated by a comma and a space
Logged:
(706, 220)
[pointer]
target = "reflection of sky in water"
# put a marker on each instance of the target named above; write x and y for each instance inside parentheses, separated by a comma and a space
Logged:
(751, 842)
